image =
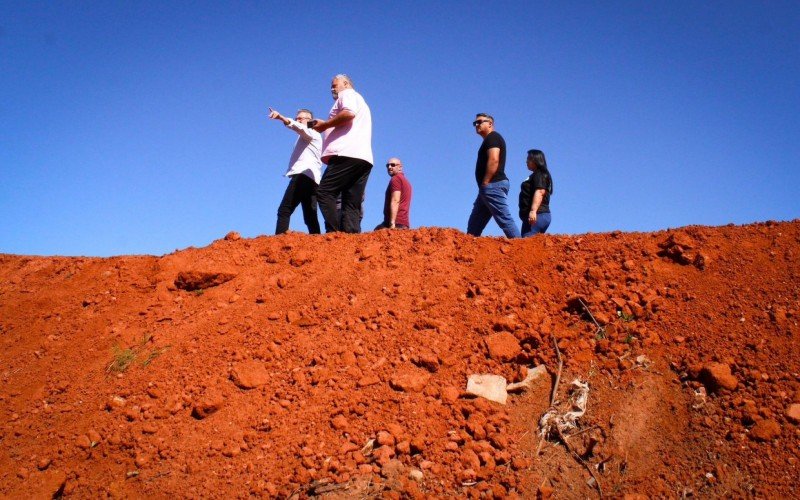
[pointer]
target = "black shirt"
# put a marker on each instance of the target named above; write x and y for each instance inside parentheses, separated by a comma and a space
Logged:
(493, 140)
(539, 179)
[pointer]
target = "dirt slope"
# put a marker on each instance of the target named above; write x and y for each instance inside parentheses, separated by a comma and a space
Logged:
(337, 365)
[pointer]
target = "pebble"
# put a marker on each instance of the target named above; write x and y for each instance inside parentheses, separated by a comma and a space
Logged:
(502, 346)
(416, 475)
(545, 491)
(207, 405)
(44, 463)
(94, 437)
(403, 447)
(249, 374)
(410, 381)
(718, 376)
(83, 442)
(450, 394)
(385, 439)
(339, 422)
(368, 380)
(141, 459)
(765, 430)
(793, 413)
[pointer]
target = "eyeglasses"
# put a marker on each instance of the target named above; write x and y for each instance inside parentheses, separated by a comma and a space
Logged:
(388, 165)
(478, 122)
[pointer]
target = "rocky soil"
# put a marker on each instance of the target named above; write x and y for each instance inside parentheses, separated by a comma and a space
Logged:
(337, 365)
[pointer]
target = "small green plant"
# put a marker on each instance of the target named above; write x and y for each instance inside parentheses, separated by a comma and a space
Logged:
(625, 317)
(153, 355)
(629, 338)
(199, 292)
(601, 333)
(122, 359)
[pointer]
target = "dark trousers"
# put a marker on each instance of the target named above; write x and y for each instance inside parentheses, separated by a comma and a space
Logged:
(302, 190)
(348, 177)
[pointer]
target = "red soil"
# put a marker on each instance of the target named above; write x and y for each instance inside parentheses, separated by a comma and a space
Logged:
(264, 366)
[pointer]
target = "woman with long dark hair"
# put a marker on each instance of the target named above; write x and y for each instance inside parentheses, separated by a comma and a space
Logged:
(534, 196)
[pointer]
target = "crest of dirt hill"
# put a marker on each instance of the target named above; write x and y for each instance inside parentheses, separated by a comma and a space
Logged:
(337, 365)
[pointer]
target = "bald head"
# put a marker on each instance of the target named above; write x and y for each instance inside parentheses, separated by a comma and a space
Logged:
(394, 166)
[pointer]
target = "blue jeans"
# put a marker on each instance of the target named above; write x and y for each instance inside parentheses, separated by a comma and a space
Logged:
(492, 201)
(542, 223)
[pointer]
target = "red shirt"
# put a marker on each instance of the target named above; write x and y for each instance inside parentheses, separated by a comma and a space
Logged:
(398, 183)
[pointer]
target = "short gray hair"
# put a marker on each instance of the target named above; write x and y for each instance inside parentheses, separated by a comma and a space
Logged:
(342, 76)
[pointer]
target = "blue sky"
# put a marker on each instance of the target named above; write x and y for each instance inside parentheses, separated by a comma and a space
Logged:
(140, 127)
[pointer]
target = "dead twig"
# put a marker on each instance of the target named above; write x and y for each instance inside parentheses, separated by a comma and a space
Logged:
(160, 474)
(558, 375)
(578, 433)
(539, 448)
(580, 460)
(555, 389)
(600, 328)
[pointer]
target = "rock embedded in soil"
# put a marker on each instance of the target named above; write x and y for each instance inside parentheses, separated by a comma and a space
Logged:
(339, 422)
(207, 405)
(84, 442)
(502, 346)
(410, 381)
(489, 386)
(191, 281)
(793, 413)
(94, 437)
(249, 374)
(449, 394)
(765, 430)
(718, 376)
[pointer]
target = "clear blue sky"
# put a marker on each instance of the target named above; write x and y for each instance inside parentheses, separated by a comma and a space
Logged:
(140, 127)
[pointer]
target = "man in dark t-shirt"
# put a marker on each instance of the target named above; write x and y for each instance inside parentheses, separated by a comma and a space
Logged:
(397, 205)
(492, 199)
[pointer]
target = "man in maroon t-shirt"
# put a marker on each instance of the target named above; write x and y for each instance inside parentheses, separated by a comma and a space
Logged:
(398, 198)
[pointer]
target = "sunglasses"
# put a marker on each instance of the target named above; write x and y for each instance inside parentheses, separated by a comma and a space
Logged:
(393, 165)
(478, 122)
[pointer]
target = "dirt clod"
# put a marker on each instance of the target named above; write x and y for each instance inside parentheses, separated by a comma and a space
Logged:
(249, 374)
(718, 376)
(765, 430)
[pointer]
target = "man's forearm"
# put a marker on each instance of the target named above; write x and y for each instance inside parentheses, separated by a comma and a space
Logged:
(341, 118)
(491, 169)
(394, 207)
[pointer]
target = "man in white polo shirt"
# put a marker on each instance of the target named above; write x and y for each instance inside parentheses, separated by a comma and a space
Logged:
(305, 171)
(347, 150)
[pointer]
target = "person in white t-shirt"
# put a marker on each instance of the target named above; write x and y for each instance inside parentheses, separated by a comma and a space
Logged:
(347, 150)
(305, 172)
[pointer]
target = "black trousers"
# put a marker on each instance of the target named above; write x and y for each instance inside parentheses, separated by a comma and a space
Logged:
(302, 190)
(348, 177)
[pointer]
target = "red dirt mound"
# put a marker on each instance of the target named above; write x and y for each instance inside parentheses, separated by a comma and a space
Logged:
(337, 365)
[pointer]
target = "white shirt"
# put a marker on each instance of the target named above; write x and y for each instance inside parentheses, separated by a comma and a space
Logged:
(305, 157)
(354, 138)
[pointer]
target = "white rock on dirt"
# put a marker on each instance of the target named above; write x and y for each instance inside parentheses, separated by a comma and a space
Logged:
(488, 386)
(527, 383)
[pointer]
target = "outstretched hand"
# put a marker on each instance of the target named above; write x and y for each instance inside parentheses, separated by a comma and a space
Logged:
(274, 114)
